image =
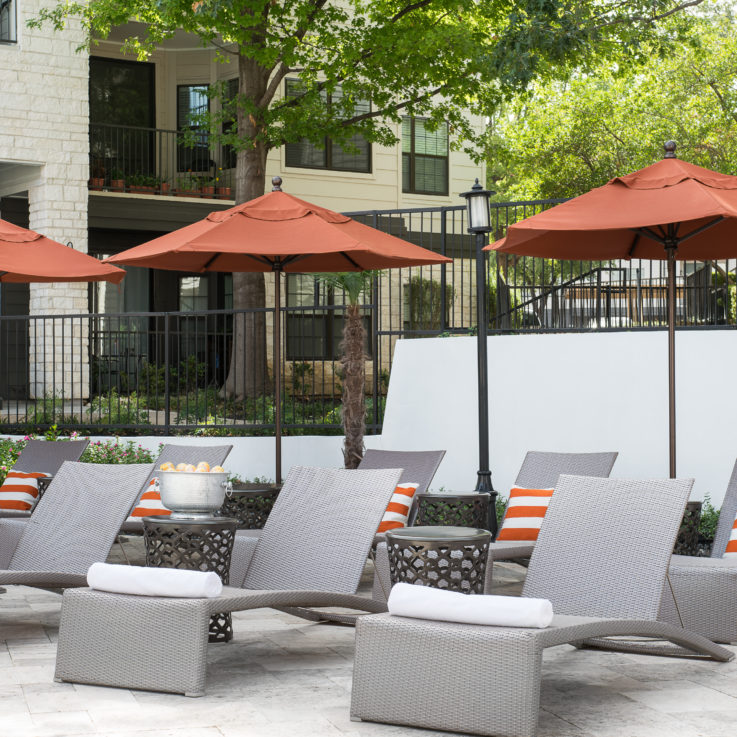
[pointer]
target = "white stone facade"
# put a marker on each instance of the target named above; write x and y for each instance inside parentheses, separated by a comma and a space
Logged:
(44, 120)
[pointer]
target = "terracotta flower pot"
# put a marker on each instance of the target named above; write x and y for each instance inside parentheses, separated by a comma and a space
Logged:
(117, 185)
(139, 189)
(208, 191)
(186, 193)
(224, 192)
(165, 188)
(97, 183)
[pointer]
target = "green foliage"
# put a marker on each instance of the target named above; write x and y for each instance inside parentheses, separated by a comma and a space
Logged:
(440, 59)
(425, 303)
(501, 508)
(113, 451)
(302, 373)
(9, 452)
(561, 139)
(143, 180)
(114, 409)
(709, 519)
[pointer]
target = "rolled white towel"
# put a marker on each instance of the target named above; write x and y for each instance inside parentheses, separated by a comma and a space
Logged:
(425, 602)
(154, 581)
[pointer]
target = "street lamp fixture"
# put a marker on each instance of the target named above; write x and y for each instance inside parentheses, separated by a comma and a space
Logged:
(479, 223)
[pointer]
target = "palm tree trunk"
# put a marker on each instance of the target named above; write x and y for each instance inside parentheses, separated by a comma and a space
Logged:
(354, 377)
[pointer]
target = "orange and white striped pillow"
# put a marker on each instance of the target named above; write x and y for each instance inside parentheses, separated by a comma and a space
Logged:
(731, 551)
(20, 490)
(149, 505)
(397, 511)
(524, 516)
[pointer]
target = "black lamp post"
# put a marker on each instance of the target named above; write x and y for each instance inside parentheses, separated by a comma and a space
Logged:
(479, 223)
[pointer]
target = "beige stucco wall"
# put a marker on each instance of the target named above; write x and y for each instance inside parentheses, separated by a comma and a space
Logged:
(44, 129)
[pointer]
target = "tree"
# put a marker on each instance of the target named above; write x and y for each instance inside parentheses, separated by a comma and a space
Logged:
(562, 139)
(441, 59)
(353, 408)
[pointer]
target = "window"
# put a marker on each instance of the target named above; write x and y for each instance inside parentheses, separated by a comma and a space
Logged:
(7, 21)
(314, 334)
(330, 155)
(424, 157)
(192, 101)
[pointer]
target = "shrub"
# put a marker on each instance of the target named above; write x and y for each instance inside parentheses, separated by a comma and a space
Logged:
(9, 452)
(709, 519)
(113, 451)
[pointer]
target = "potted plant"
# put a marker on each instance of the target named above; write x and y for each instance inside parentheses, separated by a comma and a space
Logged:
(97, 180)
(144, 183)
(186, 186)
(117, 180)
(207, 186)
(222, 192)
(165, 187)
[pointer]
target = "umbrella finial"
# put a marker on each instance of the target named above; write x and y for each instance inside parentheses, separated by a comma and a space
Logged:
(670, 150)
(276, 181)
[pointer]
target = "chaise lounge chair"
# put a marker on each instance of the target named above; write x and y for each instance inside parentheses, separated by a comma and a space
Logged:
(705, 589)
(311, 553)
(425, 673)
(73, 526)
(44, 456)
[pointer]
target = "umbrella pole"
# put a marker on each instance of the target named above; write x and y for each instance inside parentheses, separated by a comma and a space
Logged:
(671, 250)
(277, 368)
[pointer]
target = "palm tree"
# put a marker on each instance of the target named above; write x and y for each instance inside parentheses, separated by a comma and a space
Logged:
(353, 283)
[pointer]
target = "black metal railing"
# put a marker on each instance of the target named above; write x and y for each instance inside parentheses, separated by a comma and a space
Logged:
(160, 162)
(211, 371)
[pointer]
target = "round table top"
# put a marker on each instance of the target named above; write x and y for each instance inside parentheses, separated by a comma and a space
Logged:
(454, 494)
(168, 519)
(438, 533)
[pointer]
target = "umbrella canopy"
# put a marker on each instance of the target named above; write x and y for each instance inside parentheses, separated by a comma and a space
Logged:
(26, 256)
(277, 232)
(628, 218)
(670, 210)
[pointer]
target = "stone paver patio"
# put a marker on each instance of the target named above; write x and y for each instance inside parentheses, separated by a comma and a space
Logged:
(284, 677)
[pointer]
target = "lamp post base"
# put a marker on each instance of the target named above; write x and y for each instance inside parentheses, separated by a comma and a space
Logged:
(483, 483)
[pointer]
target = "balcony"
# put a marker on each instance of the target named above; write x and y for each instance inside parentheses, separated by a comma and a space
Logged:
(158, 162)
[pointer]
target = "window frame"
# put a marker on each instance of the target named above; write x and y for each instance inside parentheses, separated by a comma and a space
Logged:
(412, 157)
(12, 22)
(327, 147)
(198, 132)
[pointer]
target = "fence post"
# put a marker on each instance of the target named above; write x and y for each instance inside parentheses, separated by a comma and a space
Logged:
(443, 277)
(167, 394)
(375, 336)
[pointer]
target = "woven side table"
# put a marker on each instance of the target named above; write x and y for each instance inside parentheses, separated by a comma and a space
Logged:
(202, 544)
(451, 558)
(251, 507)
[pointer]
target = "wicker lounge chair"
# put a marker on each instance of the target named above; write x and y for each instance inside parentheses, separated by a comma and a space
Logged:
(539, 470)
(705, 589)
(312, 553)
(73, 526)
(418, 672)
(42, 456)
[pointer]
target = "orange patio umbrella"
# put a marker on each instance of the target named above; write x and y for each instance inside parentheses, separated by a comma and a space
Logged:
(670, 210)
(279, 233)
(26, 256)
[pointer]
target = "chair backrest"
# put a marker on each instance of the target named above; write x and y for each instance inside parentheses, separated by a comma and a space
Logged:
(43, 456)
(76, 521)
(726, 517)
(606, 544)
(419, 466)
(319, 533)
(540, 470)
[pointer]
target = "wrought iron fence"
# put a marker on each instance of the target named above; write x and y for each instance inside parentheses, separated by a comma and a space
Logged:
(210, 372)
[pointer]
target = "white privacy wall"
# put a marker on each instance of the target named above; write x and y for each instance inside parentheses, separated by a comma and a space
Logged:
(569, 392)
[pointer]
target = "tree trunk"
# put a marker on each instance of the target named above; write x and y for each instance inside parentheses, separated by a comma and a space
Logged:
(247, 373)
(354, 377)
